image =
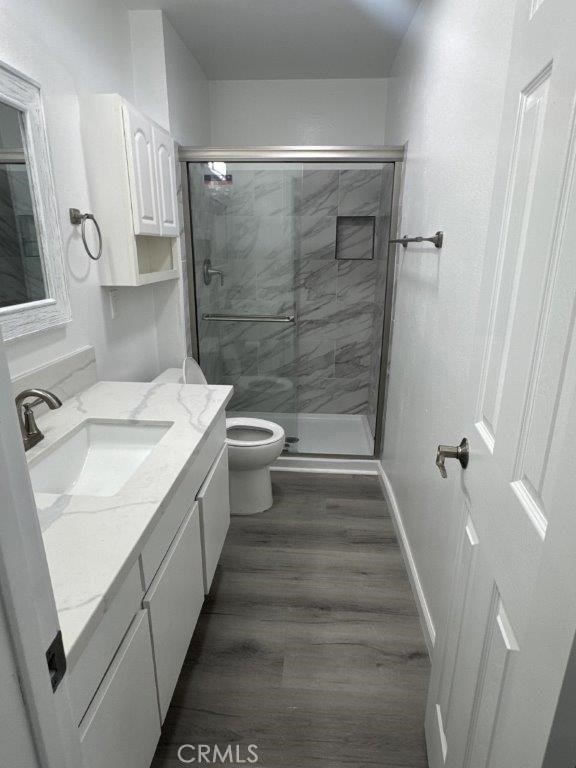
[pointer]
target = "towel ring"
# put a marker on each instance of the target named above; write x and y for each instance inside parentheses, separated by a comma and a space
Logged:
(80, 218)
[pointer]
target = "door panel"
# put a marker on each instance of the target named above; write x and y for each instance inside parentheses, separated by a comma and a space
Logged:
(142, 172)
(511, 252)
(166, 177)
(214, 505)
(174, 602)
(521, 480)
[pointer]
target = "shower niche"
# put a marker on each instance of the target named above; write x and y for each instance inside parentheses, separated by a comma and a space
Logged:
(296, 324)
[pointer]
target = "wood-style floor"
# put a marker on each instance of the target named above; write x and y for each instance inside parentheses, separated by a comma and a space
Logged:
(309, 644)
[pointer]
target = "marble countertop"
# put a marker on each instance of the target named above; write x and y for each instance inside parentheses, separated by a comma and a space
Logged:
(92, 542)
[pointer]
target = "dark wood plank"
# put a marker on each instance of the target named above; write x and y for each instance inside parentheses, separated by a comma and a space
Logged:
(309, 644)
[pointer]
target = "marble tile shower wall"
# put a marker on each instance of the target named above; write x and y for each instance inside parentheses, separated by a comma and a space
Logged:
(273, 233)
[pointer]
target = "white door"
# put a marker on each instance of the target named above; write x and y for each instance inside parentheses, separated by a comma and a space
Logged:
(28, 603)
(498, 665)
(166, 183)
(139, 140)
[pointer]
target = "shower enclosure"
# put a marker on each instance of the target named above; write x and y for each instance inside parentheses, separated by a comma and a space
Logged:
(291, 278)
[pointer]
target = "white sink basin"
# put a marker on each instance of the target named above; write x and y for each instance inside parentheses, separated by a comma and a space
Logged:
(96, 459)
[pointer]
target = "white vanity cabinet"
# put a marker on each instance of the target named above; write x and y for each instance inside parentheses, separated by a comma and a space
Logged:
(174, 602)
(121, 727)
(214, 501)
(123, 681)
(131, 165)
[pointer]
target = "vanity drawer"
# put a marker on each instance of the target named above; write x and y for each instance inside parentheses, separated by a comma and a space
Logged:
(157, 545)
(121, 727)
(174, 601)
(214, 503)
(86, 674)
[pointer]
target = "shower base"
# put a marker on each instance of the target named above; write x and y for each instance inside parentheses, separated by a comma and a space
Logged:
(324, 433)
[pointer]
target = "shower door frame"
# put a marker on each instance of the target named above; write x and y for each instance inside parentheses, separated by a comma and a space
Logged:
(302, 154)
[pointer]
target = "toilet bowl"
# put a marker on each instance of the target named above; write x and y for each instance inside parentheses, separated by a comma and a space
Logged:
(253, 444)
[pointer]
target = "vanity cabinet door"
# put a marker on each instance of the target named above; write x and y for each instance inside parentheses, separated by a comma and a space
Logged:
(174, 601)
(214, 501)
(166, 183)
(121, 727)
(138, 132)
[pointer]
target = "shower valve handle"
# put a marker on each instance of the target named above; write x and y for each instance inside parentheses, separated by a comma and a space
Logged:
(210, 272)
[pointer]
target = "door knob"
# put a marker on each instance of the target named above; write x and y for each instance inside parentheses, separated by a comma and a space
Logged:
(460, 452)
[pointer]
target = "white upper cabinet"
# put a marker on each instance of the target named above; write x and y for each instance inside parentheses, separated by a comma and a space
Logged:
(131, 166)
(140, 137)
(166, 182)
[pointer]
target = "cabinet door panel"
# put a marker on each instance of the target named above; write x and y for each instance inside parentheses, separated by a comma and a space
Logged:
(88, 671)
(142, 172)
(122, 725)
(174, 601)
(166, 183)
(181, 500)
(214, 501)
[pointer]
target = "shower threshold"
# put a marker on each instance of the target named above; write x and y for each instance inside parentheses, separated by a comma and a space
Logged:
(323, 433)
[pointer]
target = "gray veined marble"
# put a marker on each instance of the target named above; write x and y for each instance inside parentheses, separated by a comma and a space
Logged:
(269, 197)
(353, 360)
(355, 238)
(277, 245)
(359, 192)
(239, 195)
(319, 193)
(356, 282)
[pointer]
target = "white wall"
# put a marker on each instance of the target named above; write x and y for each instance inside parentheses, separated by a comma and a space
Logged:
(70, 47)
(445, 99)
(169, 84)
(256, 112)
(75, 46)
(188, 96)
(149, 65)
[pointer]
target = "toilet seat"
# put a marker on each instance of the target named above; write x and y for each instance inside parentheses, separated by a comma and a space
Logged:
(271, 432)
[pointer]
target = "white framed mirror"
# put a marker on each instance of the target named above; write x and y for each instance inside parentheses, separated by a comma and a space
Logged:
(33, 288)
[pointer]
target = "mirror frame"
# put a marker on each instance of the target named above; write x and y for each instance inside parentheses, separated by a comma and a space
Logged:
(23, 94)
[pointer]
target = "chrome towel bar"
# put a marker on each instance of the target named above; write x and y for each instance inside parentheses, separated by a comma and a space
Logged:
(250, 318)
(437, 240)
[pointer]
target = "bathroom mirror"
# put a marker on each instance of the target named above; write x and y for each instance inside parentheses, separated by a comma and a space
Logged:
(33, 292)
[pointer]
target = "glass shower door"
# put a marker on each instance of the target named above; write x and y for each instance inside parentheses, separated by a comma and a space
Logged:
(244, 232)
(291, 268)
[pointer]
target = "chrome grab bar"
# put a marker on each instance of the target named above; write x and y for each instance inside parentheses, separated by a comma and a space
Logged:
(250, 318)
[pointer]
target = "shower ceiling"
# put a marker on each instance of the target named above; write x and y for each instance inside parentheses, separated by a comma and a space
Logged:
(272, 39)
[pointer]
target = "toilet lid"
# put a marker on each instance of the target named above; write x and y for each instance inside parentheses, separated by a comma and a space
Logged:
(257, 432)
(192, 372)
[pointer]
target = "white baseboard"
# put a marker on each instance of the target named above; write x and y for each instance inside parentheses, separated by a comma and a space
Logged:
(423, 610)
(322, 464)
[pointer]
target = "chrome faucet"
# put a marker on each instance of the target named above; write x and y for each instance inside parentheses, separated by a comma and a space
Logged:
(31, 434)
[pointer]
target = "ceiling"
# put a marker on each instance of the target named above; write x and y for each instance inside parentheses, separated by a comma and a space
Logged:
(270, 39)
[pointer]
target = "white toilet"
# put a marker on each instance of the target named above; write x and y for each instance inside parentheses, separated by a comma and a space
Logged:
(253, 444)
